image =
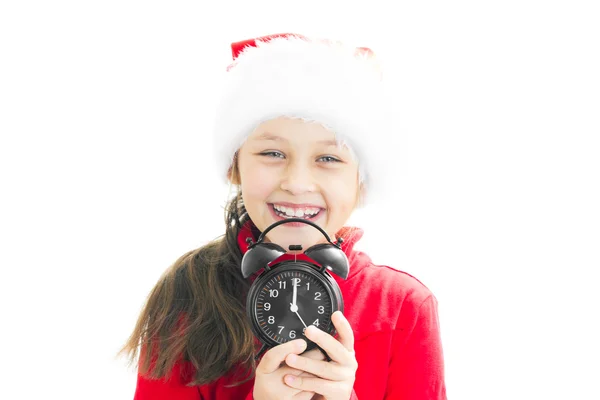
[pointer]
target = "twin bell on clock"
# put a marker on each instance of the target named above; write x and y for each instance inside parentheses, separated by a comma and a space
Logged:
(291, 294)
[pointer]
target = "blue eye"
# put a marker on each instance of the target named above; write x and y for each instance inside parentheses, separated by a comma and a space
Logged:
(272, 154)
(278, 154)
(329, 159)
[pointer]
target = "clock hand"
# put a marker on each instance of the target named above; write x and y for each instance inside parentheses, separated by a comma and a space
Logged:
(295, 295)
(301, 320)
(293, 305)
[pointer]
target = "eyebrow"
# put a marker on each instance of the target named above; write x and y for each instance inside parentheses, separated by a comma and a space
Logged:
(270, 136)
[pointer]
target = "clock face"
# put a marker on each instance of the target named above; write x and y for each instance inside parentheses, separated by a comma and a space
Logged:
(289, 301)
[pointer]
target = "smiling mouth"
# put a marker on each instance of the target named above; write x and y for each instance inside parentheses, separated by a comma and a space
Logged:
(290, 212)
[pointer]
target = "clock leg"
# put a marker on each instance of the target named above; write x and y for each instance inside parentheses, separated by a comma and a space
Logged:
(260, 352)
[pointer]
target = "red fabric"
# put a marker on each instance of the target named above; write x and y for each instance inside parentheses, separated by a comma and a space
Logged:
(238, 47)
(397, 338)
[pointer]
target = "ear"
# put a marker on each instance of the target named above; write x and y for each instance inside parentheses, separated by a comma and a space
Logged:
(233, 173)
(259, 256)
(331, 258)
(231, 178)
(360, 196)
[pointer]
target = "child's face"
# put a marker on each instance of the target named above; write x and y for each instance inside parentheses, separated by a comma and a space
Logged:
(297, 165)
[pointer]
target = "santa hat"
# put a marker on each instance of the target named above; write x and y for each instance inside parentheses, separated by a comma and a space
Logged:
(318, 80)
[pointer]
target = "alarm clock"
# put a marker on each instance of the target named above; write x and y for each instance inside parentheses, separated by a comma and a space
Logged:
(292, 294)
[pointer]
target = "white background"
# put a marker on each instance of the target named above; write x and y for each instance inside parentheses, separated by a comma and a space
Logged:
(107, 177)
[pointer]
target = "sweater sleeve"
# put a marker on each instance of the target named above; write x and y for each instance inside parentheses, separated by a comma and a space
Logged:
(416, 370)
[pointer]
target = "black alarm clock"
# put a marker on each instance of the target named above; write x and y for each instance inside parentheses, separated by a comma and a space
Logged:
(290, 295)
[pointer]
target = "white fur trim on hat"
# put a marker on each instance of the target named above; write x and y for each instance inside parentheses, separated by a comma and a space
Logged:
(326, 82)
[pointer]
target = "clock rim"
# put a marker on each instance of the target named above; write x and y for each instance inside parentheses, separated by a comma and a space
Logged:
(332, 287)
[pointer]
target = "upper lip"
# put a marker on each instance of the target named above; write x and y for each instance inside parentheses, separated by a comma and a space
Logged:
(293, 205)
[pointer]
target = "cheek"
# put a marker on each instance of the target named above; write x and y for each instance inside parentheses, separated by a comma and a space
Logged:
(341, 193)
(258, 184)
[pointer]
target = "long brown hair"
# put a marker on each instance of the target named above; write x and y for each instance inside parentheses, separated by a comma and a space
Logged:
(196, 311)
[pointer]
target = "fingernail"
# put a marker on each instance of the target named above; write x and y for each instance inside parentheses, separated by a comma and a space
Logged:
(301, 344)
(311, 330)
(290, 379)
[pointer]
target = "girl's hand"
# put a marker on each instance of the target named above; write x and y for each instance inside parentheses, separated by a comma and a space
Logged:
(268, 381)
(332, 380)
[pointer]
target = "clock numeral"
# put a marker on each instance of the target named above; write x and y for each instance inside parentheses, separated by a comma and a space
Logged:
(292, 334)
(282, 285)
(316, 323)
(318, 296)
(321, 309)
(274, 292)
(267, 306)
(281, 328)
(271, 319)
(307, 286)
(296, 281)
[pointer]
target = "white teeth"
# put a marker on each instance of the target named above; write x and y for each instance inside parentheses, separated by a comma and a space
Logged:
(296, 212)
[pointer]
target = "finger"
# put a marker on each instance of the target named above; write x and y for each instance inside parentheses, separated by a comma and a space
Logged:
(274, 357)
(285, 369)
(314, 354)
(342, 326)
(322, 369)
(336, 351)
(302, 395)
(317, 385)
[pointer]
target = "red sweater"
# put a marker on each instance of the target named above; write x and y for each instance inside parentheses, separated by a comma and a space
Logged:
(396, 338)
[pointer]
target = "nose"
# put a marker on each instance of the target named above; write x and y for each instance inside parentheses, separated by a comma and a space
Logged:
(297, 179)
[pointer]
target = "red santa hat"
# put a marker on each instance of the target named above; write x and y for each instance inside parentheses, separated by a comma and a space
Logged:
(318, 80)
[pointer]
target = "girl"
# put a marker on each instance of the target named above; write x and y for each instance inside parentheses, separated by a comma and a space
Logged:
(298, 133)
